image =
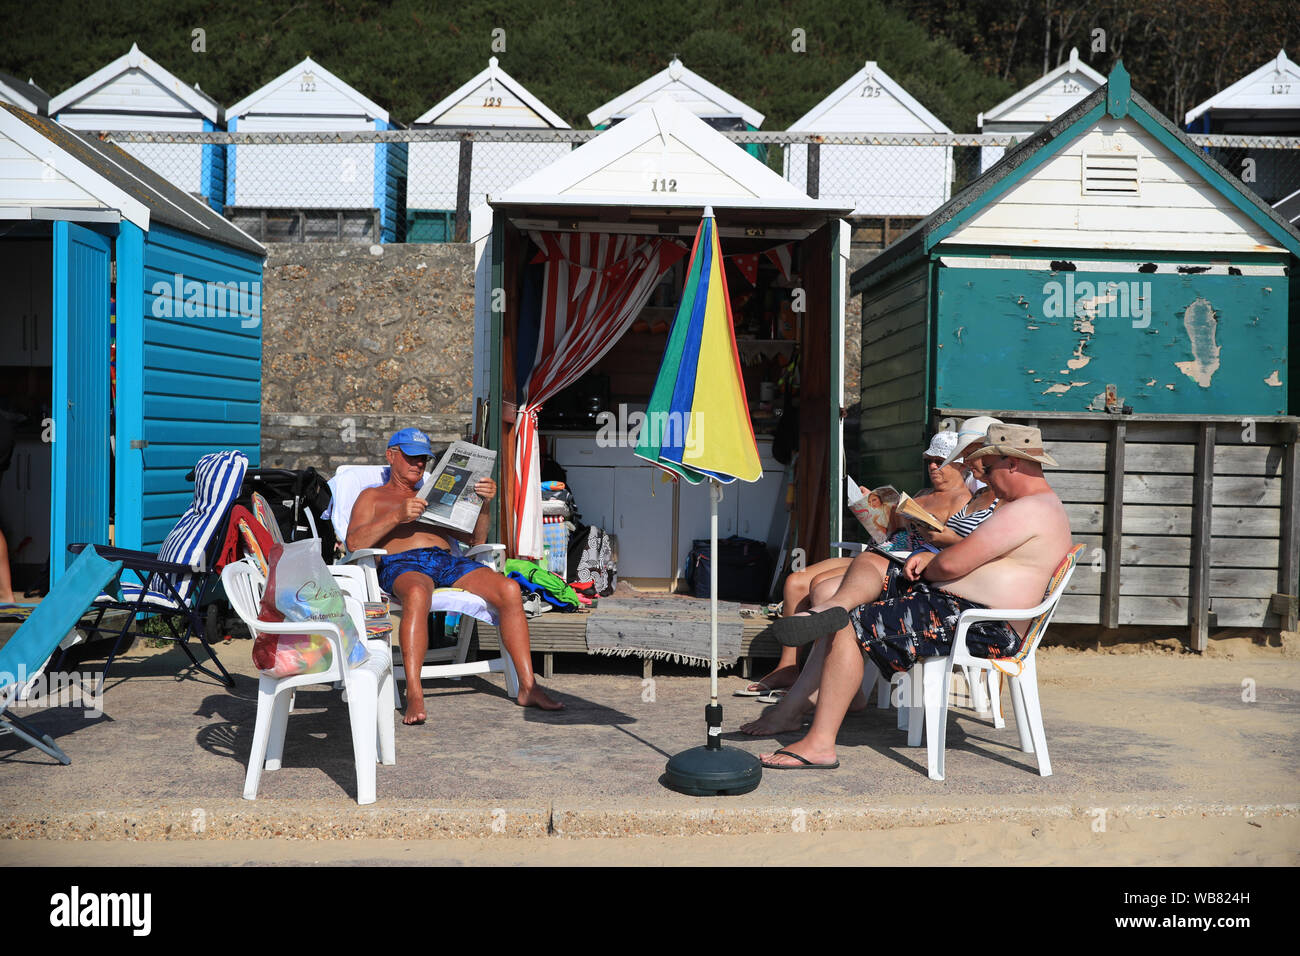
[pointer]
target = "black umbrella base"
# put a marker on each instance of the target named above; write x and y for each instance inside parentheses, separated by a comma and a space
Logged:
(702, 772)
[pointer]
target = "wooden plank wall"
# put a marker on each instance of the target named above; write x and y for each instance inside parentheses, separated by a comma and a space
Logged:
(894, 360)
(1154, 523)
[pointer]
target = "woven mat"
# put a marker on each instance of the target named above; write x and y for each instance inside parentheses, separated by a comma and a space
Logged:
(670, 628)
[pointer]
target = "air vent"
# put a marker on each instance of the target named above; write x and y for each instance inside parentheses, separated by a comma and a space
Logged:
(1111, 174)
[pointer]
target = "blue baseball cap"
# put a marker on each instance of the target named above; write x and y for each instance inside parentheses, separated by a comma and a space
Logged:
(412, 441)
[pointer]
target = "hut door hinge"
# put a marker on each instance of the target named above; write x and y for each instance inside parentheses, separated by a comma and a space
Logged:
(139, 443)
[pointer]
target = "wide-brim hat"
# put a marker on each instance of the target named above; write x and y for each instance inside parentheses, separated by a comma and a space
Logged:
(1014, 441)
(971, 429)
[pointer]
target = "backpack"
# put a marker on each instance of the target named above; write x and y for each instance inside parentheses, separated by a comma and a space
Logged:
(591, 558)
(290, 493)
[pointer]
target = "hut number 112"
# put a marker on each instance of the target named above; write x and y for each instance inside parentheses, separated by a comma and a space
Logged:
(663, 185)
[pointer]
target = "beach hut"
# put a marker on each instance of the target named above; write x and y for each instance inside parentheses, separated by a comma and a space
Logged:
(1040, 102)
(91, 234)
(26, 96)
(876, 181)
(493, 99)
(643, 186)
(718, 108)
(315, 192)
(1265, 102)
(1109, 283)
(135, 93)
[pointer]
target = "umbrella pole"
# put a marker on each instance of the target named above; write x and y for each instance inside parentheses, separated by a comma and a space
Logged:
(713, 712)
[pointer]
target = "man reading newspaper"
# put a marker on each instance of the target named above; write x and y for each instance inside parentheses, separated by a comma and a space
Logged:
(420, 558)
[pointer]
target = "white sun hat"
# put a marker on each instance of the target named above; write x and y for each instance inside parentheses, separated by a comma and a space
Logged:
(972, 429)
(942, 445)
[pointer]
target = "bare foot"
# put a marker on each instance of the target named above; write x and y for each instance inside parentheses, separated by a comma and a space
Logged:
(414, 711)
(773, 722)
(779, 679)
(536, 697)
(803, 750)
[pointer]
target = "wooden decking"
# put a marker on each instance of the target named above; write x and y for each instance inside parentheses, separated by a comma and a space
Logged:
(557, 633)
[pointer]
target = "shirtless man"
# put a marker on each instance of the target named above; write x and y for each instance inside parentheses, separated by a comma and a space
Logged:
(1006, 562)
(419, 560)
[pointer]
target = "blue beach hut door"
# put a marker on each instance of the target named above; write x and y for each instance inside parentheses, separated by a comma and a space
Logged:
(80, 426)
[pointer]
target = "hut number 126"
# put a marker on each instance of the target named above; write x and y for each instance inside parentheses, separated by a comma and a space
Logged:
(663, 185)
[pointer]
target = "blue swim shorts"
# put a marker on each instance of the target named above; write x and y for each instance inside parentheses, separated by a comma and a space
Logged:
(438, 563)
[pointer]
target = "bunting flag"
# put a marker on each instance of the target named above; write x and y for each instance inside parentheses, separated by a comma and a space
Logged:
(747, 264)
(783, 256)
(697, 424)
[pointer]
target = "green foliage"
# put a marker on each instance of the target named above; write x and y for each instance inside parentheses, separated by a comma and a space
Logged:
(407, 55)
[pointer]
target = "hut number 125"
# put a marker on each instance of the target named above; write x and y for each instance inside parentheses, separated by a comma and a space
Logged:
(663, 185)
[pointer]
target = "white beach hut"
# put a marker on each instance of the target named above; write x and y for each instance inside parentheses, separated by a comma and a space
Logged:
(1040, 102)
(135, 93)
(26, 96)
(492, 99)
(875, 180)
(1266, 102)
(611, 188)
(313, 191)
(694, 93)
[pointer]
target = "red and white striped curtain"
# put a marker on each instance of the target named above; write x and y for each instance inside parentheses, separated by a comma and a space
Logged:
(594, 287)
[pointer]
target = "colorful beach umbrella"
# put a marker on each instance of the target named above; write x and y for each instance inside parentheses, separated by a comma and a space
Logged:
(697, 423)
(697, 426)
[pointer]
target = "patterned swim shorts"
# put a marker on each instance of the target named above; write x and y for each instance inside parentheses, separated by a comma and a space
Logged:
(915, 619)
(438, 563)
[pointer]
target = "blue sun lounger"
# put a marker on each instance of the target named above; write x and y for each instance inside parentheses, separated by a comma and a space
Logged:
(26, 653)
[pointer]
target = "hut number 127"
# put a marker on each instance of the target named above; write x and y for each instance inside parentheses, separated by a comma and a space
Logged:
(663, 185)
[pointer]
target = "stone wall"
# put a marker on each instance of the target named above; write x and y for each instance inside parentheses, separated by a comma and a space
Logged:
(359, 341)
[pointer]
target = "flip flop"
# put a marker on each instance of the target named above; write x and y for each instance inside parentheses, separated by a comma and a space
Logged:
(803, 764)
(774, 697)
(750, 692)
(803, 629)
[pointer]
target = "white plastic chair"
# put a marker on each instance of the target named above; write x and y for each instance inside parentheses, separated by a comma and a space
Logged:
(345, 487)
(932, 677)
(364, 687)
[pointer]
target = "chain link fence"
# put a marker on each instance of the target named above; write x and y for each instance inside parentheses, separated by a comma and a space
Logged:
(418, 185)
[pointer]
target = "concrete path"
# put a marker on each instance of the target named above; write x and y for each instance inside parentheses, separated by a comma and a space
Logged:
(1132, 736)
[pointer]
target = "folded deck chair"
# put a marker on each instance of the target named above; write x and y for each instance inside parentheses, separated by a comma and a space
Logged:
(25, 654)
(345, 487)
(173, 583)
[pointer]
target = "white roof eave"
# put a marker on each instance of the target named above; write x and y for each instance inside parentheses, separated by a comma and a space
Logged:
(675, 72)
(368, 106)
(809, 121)
(665, 118)
(496, 74)
(1072, 65)
(662, 201)
(136, 59)
(78, 172)
(1281, 62)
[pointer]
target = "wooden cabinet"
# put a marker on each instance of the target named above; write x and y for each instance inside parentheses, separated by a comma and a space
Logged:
(26, 308)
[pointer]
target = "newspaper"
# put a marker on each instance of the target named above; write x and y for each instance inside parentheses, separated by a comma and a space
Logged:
(449, 491)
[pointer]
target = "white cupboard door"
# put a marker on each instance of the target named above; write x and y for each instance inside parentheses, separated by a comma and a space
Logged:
(644, 507)
(593, 494)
